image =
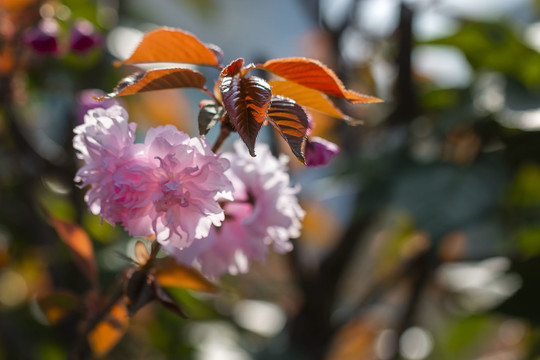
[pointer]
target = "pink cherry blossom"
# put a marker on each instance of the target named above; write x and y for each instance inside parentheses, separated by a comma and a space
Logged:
(170, 186)
(319, 151)
(265, 212)
(190, 185)
(105, 143)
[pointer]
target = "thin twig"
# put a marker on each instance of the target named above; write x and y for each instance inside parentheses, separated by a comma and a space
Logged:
(224, 133)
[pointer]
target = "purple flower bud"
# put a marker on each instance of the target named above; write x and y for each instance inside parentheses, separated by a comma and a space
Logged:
(43, 38)
(83, 36)
(319, 151)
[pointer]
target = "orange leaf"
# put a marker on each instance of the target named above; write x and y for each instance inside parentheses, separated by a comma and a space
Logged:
(55, 306)
(15, 5)
(80, 245)
(310, 98)
(291, 121)
(173, 45)
(314, 75)
(171, 274)
(159, 79)
(109, 331)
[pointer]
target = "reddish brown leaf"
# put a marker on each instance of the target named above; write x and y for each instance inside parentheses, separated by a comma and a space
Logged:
(171, 274)
(109, 331)
(80, 245)
(233, 68)
(168, 301)
(290, 120)
(173, 45)
(314, 75)
(246, 101)
(139, 291)
(310, 98)
(159, 79)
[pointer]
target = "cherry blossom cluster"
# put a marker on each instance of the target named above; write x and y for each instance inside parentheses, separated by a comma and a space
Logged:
(219, 211)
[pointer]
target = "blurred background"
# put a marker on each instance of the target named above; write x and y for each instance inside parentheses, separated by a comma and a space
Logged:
(421, 239)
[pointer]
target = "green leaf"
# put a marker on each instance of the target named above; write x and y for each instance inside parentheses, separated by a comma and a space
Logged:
(246, 101)
(209, 115)
(495, 46)
(290, 120)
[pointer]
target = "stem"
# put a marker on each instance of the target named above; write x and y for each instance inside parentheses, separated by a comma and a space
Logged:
(223, 134)
(78, 349)
(209, 93)
(422, 272)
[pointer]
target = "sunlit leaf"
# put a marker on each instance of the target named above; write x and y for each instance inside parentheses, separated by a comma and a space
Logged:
(55, 306)
(7, 60)
(246, 101)
(159, 79)
(307, 97)
(233, 68)
(209, 115)
(109, 331)
(290, 120)
(173, 45)
(80, 245)
(171, 274)
(314, 75)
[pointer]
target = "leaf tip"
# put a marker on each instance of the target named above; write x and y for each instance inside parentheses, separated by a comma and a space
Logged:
(102, 98)
(251, 150)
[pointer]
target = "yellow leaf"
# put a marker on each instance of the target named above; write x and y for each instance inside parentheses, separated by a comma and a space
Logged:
(306, 97)
(169, 273)
(109, 331)
(314, 75)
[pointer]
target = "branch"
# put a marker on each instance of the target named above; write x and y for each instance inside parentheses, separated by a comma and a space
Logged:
(79, 348)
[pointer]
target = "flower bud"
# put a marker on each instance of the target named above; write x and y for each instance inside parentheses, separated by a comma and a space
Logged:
(319, 151)
(83, 36)
(43, 38)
